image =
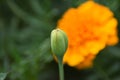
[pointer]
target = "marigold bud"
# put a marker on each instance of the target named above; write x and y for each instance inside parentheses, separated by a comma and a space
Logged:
(59, 42)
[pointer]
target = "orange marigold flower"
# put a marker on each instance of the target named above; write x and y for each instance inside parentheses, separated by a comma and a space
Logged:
(89, 28)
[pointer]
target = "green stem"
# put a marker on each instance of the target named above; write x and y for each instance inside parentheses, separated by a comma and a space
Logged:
(61, 69)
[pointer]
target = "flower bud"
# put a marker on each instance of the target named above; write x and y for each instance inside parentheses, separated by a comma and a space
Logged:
(59, 42)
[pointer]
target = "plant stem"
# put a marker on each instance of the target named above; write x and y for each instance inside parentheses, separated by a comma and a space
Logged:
(61, 69)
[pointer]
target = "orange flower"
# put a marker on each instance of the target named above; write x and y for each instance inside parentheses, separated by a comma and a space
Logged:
(89, 28)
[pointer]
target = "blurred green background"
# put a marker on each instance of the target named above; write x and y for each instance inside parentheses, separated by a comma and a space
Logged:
(25, 53)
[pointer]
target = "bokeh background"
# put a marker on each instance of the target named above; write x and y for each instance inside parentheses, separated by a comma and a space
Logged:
(25, 53)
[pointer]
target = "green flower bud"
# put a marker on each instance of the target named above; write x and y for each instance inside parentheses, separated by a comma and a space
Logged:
(59, 42)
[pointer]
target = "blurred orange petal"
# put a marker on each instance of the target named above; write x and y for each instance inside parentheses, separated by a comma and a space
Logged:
(89, 27)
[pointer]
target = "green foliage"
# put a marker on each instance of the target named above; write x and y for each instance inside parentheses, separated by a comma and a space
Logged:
(25, 27)
(2, 76)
